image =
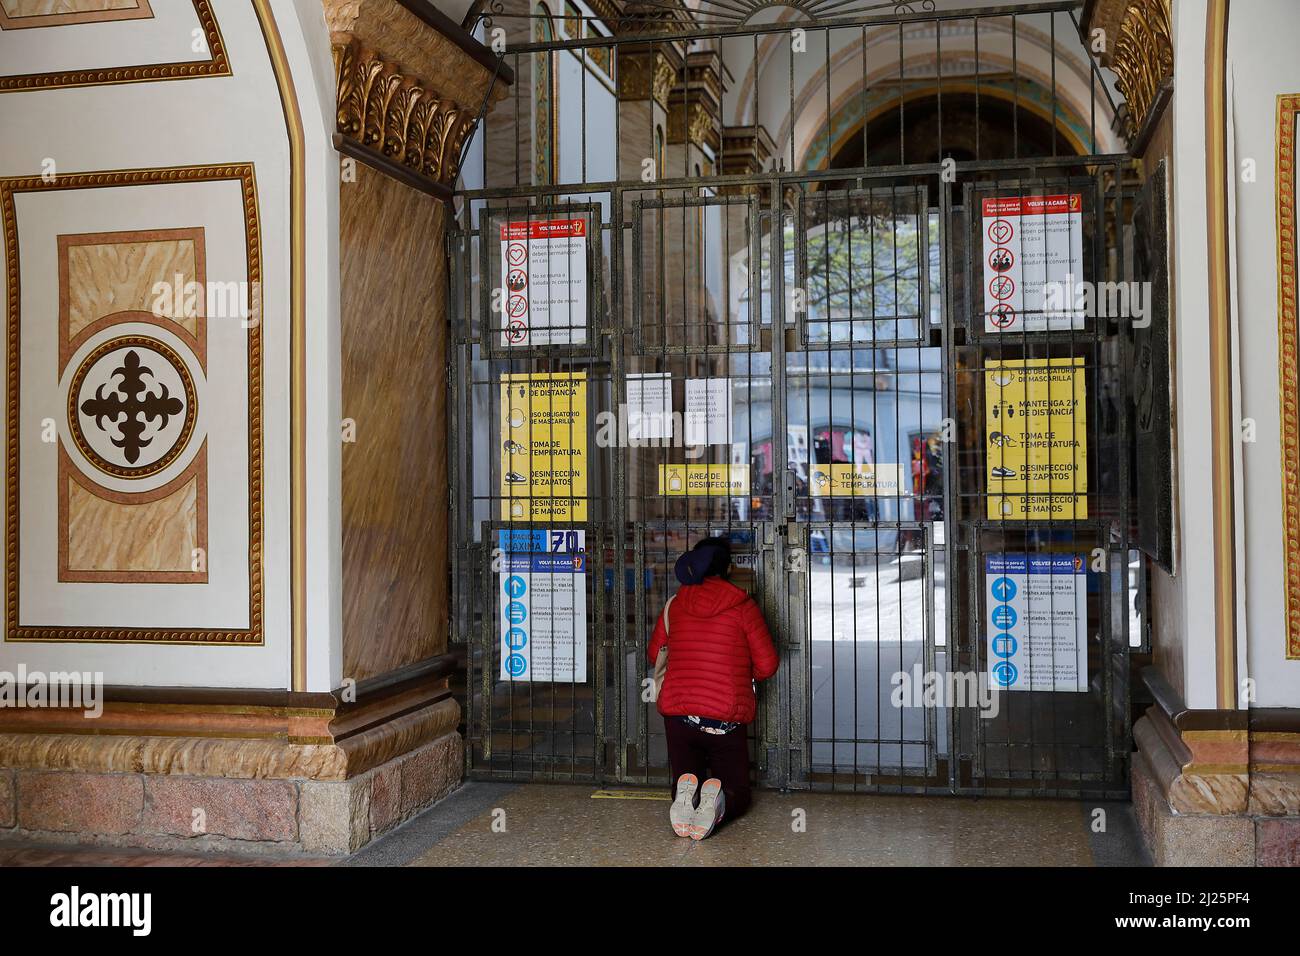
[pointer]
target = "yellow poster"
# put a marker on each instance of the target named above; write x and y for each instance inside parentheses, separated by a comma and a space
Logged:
(1036, 438)
(544, 447)
(702, 479)
(844, 480)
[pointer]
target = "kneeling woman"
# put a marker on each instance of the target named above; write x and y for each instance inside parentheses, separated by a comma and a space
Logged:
(718, 645)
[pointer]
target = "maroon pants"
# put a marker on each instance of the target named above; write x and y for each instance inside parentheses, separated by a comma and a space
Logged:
(725, 756)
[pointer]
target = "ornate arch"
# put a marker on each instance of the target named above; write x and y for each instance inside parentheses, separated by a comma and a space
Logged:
(864, 105)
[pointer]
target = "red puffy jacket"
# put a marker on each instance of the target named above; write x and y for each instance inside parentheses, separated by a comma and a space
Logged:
(717, 644)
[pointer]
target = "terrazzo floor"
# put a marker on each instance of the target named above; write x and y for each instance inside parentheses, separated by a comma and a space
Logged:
(486, 824)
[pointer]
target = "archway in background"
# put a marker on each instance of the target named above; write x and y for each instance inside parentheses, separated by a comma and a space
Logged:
(983, 126)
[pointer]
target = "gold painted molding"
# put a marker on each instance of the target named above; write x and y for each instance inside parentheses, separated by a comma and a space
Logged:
(1222, 427)
(297, 344)
(387, 111)
(1140, 49)
(1288, 112)
(14, 632)
(217, 64)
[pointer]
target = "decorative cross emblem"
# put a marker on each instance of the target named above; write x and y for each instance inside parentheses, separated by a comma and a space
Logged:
(133, 400)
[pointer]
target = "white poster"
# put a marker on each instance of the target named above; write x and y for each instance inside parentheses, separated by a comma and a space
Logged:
(1029, 243)
(543, 600)
(708, 411)
(544, 282)
(649, 406)
(796, 445)
(1038, 615)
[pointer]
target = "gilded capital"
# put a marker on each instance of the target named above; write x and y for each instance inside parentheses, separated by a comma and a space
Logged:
(410, 86)
(646, 73)
(389, 112)
(1138, 46)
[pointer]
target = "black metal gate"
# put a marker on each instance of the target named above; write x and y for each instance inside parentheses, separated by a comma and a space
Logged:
(800, 356)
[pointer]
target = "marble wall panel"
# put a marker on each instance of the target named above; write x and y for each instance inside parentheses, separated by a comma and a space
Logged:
(395, 516)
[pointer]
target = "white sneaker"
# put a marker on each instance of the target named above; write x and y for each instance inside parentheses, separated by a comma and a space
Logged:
(713, 804)
(682, 812)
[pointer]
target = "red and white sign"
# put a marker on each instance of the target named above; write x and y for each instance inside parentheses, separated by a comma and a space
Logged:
(544, 282)
(1002, 316)
(1032, 244)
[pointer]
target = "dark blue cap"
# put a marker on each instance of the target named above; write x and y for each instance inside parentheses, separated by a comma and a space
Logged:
(709, 558)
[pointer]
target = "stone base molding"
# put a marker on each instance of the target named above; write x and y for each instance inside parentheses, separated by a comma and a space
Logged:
(1274, 795)
(1185, 790)
(246, 771)
(163, 811)
(1175, 839)
(236, 757)
(1216, 788)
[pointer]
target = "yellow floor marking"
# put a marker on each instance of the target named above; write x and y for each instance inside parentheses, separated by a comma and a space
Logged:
(629, 795)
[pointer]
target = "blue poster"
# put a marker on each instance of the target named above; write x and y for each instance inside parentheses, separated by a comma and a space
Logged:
(543, 601)
(1036, 621)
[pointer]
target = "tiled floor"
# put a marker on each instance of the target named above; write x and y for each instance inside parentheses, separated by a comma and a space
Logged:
(540, 825)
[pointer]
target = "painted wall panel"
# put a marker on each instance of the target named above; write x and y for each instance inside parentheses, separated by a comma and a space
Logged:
(241, 430)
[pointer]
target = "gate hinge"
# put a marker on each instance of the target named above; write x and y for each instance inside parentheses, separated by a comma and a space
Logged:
(451, 240)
